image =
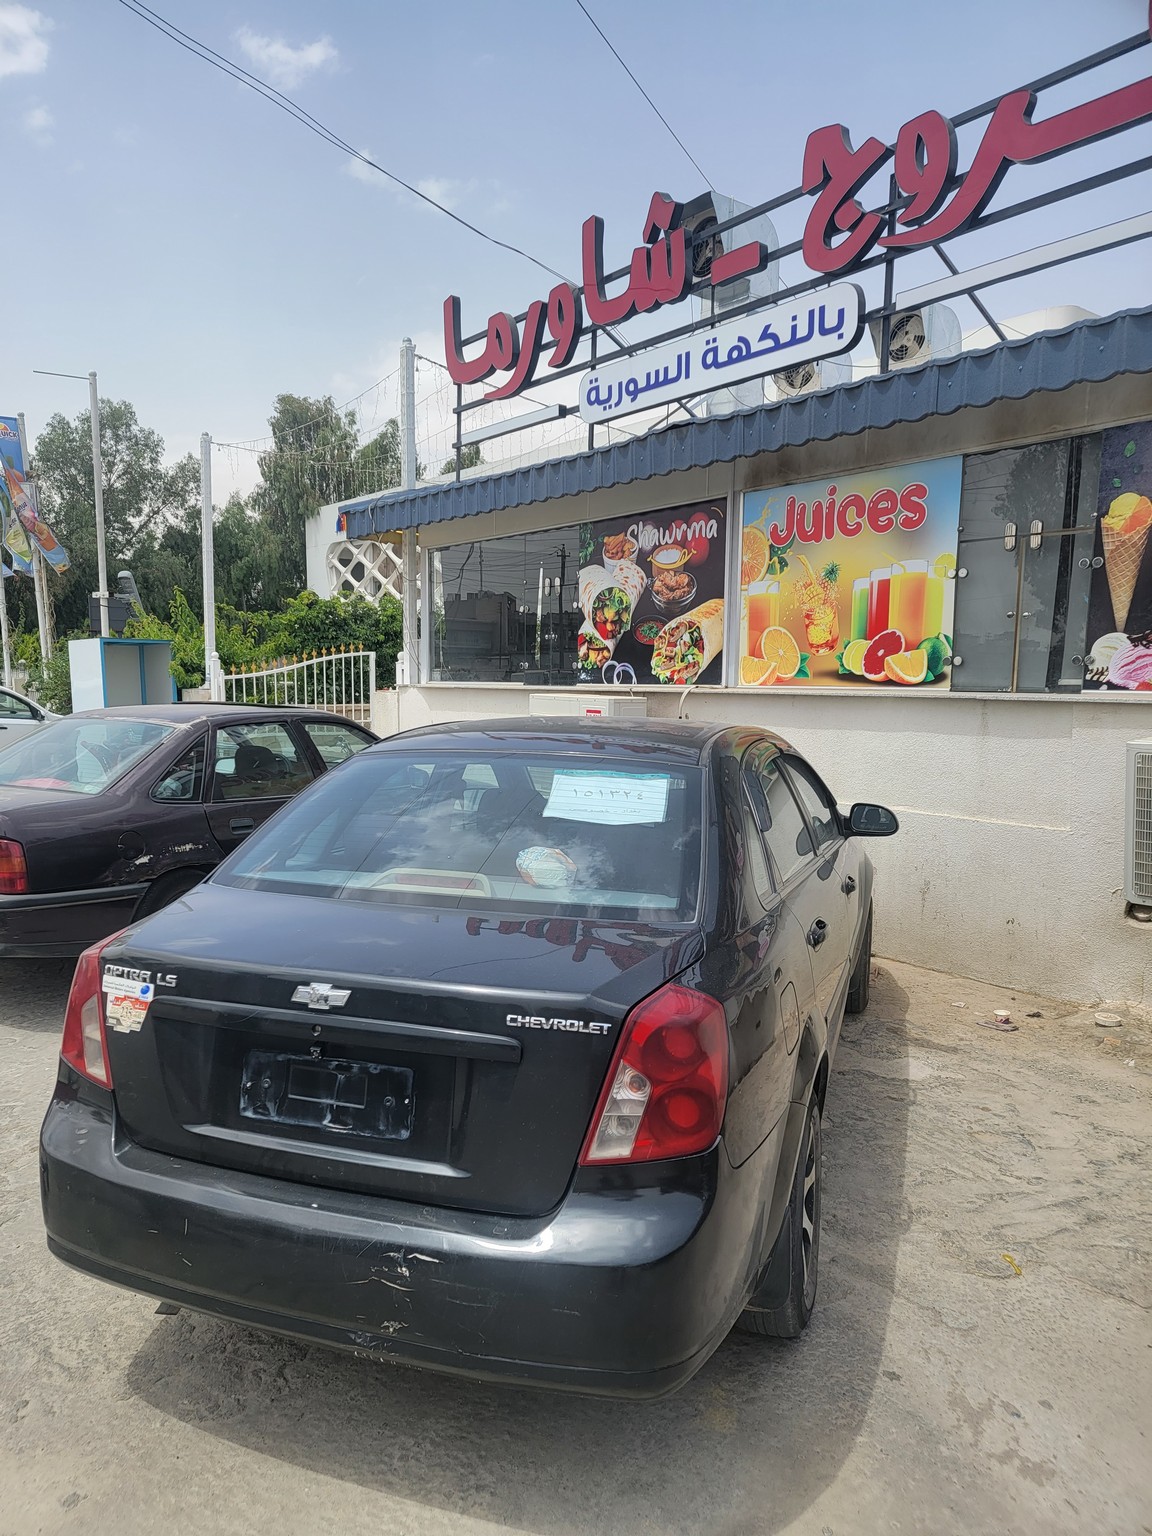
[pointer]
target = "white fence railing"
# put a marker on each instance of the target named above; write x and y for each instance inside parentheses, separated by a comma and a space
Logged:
(341, 682)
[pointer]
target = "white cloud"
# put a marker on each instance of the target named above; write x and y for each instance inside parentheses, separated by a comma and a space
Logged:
(365, 173)
(23, 40)
(284, 65)
(444, 190)
(38, 124)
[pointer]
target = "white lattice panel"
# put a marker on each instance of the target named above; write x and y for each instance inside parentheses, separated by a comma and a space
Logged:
(364, 568)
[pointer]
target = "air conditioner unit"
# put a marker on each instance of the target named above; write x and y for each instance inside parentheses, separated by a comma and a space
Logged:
(579, 701)
(919, 336)
(1138, 825)
(702, 215)
(805, 378)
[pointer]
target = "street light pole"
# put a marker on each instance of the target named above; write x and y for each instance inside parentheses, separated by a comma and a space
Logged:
(98, 486)
(208, 566)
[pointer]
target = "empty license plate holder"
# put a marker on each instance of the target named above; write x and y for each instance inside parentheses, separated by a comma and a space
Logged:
(354, 1098)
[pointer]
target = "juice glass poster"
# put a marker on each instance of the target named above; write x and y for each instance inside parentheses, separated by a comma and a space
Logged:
(848, 581)
(651, 593)
(1119, 639)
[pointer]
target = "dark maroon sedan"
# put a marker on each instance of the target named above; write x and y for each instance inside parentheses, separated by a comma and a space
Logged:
(111, 814)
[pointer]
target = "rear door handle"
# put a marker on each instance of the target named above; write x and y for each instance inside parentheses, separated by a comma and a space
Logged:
(241, 824)
(849, 886)
(818, 933)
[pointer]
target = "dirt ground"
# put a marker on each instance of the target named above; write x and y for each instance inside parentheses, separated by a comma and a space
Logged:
(980, 1359)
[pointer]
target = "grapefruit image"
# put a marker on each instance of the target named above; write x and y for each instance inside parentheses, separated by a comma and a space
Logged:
(889, 643)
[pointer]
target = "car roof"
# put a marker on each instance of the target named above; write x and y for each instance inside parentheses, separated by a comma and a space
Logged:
(190, 714)
(552, 733)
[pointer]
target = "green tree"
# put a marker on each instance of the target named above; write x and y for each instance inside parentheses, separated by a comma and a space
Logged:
(470, 456)
(144, 500)
(312, 462)
(379, 460)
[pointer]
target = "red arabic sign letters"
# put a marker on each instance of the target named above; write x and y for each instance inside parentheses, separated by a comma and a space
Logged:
(838, 234)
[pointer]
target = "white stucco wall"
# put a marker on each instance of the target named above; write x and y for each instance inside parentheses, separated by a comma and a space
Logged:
(1009, 863)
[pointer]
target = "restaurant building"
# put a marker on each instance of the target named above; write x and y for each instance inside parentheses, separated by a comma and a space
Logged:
(935, 580)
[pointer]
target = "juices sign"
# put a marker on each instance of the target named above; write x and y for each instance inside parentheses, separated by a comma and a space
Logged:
(848, 581)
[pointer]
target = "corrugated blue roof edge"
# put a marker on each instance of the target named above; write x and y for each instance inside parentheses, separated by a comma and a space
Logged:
(1088, 352)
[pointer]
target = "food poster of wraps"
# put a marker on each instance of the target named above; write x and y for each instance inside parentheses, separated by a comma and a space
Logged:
(849, 581)
(651, 594)
(1119, 639)
(23, 525)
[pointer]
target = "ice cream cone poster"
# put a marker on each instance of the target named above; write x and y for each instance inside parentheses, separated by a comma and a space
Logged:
(848, 581)
(1119, 638)
(651, 593)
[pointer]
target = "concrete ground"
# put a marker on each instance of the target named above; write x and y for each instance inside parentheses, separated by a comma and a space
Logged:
(980, 1359)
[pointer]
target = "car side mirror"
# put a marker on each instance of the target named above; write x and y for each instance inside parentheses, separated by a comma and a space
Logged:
(871, 821)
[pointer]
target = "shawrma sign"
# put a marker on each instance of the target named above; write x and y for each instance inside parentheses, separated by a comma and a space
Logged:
(720, 355)
(934, 201)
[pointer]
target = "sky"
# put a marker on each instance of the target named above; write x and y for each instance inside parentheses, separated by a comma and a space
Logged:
(203, 252)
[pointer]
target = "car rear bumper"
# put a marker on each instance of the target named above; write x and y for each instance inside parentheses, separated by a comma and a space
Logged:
(624, 1291)
(53, 925)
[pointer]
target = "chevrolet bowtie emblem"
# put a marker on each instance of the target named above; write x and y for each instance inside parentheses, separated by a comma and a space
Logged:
(321, 995)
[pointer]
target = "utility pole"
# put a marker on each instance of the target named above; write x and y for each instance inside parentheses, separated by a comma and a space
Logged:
(39, 579)
(98, 488)
(411, 670)
(208, 567)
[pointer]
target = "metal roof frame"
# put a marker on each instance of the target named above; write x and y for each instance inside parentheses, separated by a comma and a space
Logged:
(1090, 351)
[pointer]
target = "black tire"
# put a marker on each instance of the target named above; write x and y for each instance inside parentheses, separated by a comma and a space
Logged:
(860, 985)
(167, 889)
(797, 1249)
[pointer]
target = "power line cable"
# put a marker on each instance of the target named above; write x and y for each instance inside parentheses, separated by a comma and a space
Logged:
(644, 93)
(286, 104)
(251, 442)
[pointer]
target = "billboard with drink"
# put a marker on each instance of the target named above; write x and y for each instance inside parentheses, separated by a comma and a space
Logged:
(847, 581)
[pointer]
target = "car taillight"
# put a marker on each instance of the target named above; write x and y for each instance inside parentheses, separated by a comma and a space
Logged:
(13, 868)
(666, 1092)
(84, 1046)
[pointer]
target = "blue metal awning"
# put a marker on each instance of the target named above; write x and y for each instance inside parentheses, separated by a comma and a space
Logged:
(1088, 352)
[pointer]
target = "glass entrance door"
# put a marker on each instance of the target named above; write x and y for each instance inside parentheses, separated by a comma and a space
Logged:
(1024, 567)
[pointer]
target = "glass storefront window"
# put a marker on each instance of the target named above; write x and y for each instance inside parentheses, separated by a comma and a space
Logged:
(507, 610)
(633, 599)
(1026, 532)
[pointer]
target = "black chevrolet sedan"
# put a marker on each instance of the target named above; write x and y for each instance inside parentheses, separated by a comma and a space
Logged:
(502, 1052)
(110, 814)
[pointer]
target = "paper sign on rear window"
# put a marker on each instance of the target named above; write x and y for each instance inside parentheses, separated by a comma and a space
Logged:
(609, 799)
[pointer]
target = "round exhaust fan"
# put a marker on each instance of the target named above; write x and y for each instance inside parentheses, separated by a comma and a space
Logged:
(794, 381)
(908, 336)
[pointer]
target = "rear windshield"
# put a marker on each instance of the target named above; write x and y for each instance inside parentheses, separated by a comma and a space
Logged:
(81, 755)
(551, 834)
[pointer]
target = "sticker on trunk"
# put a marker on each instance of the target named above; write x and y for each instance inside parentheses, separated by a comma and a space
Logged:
(126, 1002)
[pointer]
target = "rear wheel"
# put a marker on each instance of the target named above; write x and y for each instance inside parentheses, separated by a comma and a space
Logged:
(797, 1249)
(858, 987)
(169, 888)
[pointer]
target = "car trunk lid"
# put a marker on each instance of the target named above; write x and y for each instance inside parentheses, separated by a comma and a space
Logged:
(406, 1052)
